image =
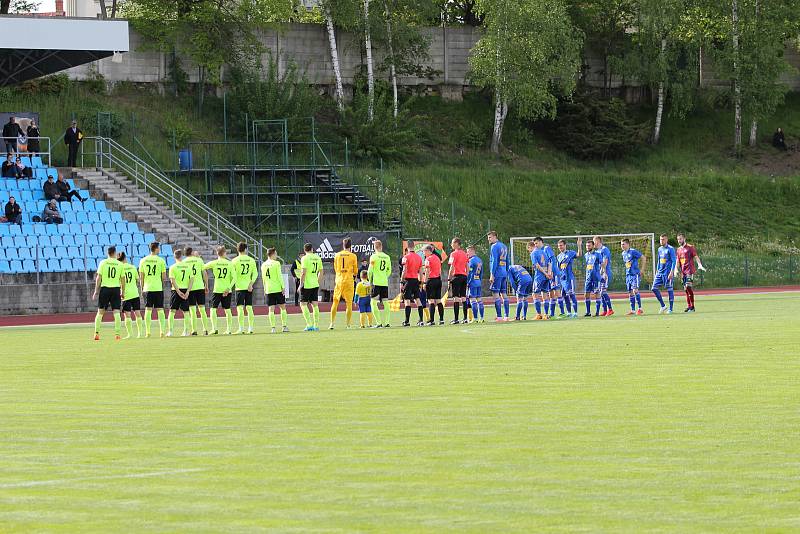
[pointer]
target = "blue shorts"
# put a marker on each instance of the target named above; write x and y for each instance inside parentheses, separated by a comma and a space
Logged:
(364, 305)
(591, 285)
(632, 282)
(604, 283)
(555, 283)
(541, 285)
(499, 285)
(568, 286)
(475, 291)
(524, 288)
(662, 280)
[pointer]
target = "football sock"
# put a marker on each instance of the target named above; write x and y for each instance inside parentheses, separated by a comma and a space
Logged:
(538, 306)
(603, 302)
(192, 317)
(633, 302)
(671, 295)
(498, 302)
(387, 313)
(546, 306)
(568, 304)
(657, 293)
(421, 312)
(139, 326)
(431, 312)
(561, 305)
(408, 313)
(553, 307)
(251, 317)
(506, 305)
(574, 302)
(128, 325)
(306, 314)
(171, 321)
(362, 319)
(228, 319)
(117, 323)
(316, 315)
(284, 317)
(608, 301)
(371, 318)
(465, 307)
(334, 309)
(214, 320)
(519, 309)
(689, 297)
(162, 321)
(272, 317)
(456, 309)
(639, 300)
(588, 303)
(240, 316)
(98, 320)
(203, 322)
(348, 311)
(481, 308)
(148, 322)
(440, 307)
(525, 309)
(597, 305)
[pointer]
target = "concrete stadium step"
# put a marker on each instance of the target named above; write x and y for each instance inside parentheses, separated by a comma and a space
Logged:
(135, 205)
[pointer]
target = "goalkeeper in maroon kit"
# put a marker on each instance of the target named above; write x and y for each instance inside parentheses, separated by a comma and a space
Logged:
(685, 266)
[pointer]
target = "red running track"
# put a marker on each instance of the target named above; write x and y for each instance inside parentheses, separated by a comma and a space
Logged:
(70, 318)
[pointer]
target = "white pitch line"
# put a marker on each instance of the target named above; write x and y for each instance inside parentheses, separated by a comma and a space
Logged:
(54, 482)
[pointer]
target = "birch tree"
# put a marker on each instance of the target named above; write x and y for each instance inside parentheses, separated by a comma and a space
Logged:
(341, 14)
(529, 54)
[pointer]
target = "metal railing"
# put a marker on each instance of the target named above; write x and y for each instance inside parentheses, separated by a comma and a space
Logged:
(44, 154)
(107, 154)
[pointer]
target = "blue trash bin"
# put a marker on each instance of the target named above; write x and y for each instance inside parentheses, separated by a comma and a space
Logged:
(185, 160)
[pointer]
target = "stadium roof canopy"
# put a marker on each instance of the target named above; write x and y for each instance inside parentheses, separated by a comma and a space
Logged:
(32, 46)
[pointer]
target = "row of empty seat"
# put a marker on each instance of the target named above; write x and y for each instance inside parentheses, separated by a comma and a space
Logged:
(46, 266)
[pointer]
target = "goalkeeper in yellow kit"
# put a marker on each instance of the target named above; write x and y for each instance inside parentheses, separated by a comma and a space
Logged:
(345, 265)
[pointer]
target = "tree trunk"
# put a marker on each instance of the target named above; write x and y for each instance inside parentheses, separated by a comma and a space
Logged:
(754, 124)
(103, 10)
(392, 70)
(737, 90)
(4, 6)
(337, 71)
(114, 9)
(370, 73)
(500, 112)
(660, 107)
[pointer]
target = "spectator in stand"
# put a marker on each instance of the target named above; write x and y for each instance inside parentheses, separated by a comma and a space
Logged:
(51, 190)
(72, 138)
(11, 131)
(13, 212)
(22, 170)
(51, 215)
(33, 138)
(64, 192)
(9, 169)
(779, 140)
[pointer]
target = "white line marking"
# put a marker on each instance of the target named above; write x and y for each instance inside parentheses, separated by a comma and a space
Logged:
(34, 483)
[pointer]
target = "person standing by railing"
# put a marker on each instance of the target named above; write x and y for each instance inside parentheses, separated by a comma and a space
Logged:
(33, 138)
(72, 138)
(11, 131)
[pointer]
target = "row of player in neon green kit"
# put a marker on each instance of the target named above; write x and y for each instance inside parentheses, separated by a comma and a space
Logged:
(552, 284)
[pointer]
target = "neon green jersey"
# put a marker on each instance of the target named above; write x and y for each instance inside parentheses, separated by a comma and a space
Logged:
(272, 276)
(222, 269)
(245, 272)
(312, 266)
(195, 266)
(380, 269)
(182, 275)
(110, 271)
(131, 276)
(152, 269)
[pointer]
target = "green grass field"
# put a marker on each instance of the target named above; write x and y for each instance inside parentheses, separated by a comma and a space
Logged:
(671, 423)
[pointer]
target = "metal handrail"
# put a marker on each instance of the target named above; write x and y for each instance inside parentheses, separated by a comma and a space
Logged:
(109, 154)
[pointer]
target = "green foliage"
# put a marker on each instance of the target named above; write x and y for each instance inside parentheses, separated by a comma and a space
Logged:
(47, 85)
(104, 123)
(95, 83)
(473, 135)
(594, 128)
(178, 128)
(387, 137)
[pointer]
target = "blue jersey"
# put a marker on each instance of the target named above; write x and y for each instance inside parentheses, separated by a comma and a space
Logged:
(631, 259)
(498, 260)
(553, 261)
(593, 263)
(519, 275)
(539, 258)
(475, 271)
(666, 259)
(605, 254)
(565, 260)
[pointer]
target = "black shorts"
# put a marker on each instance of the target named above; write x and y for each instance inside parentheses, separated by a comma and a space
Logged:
(458, 286)
(410, 289)
(109, 296)
(380, 292)
(131, 305)
(218, 299)
(244, 298)
(177, 303)
(276, 299)
(309, 295)
(154, 299)
(433, 288)
(197, 297)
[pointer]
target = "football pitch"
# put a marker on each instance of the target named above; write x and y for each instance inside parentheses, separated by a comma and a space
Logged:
(674, 423)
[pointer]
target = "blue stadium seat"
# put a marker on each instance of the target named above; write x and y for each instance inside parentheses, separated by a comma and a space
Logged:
(67, 240)
(138, 238)
(91, 239)
(36, 162)
(13, 193)
(170, 261)
(5, 229)
(96, 251)
(26, 160)
(31, 241)
(28, 185)
(25, 196)
(38, 195)
(27, 229)
(44, 240)
(91, 264)
(3, 254)
(68, 217)
(28, 266)
(114, 239)
(166, 249)
(82, 217)
(126, 239)
(133, 228)
(54, 173)
(120, 227)
(15, 229)
(40, 174)
(89, 205)
(74, 228)
(65, 206)
(61, 266)
(19, 241)
(143, 250)
(116, 216)
(109, 227)
(59, 252)
(100, 205)
(52, 229)
(73, 252)
(149, 238)
(46, 266)
(24, 253)
(105, 217)
(86, 229)
(41, 229)
(77, 264)
(93, 216)
(5, 267)
(7, 241)
(104, 240)
(97, 228)
(80, 239)
(16, 266)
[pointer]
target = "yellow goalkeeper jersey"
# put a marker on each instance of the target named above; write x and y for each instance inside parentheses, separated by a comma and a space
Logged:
(345, 264)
